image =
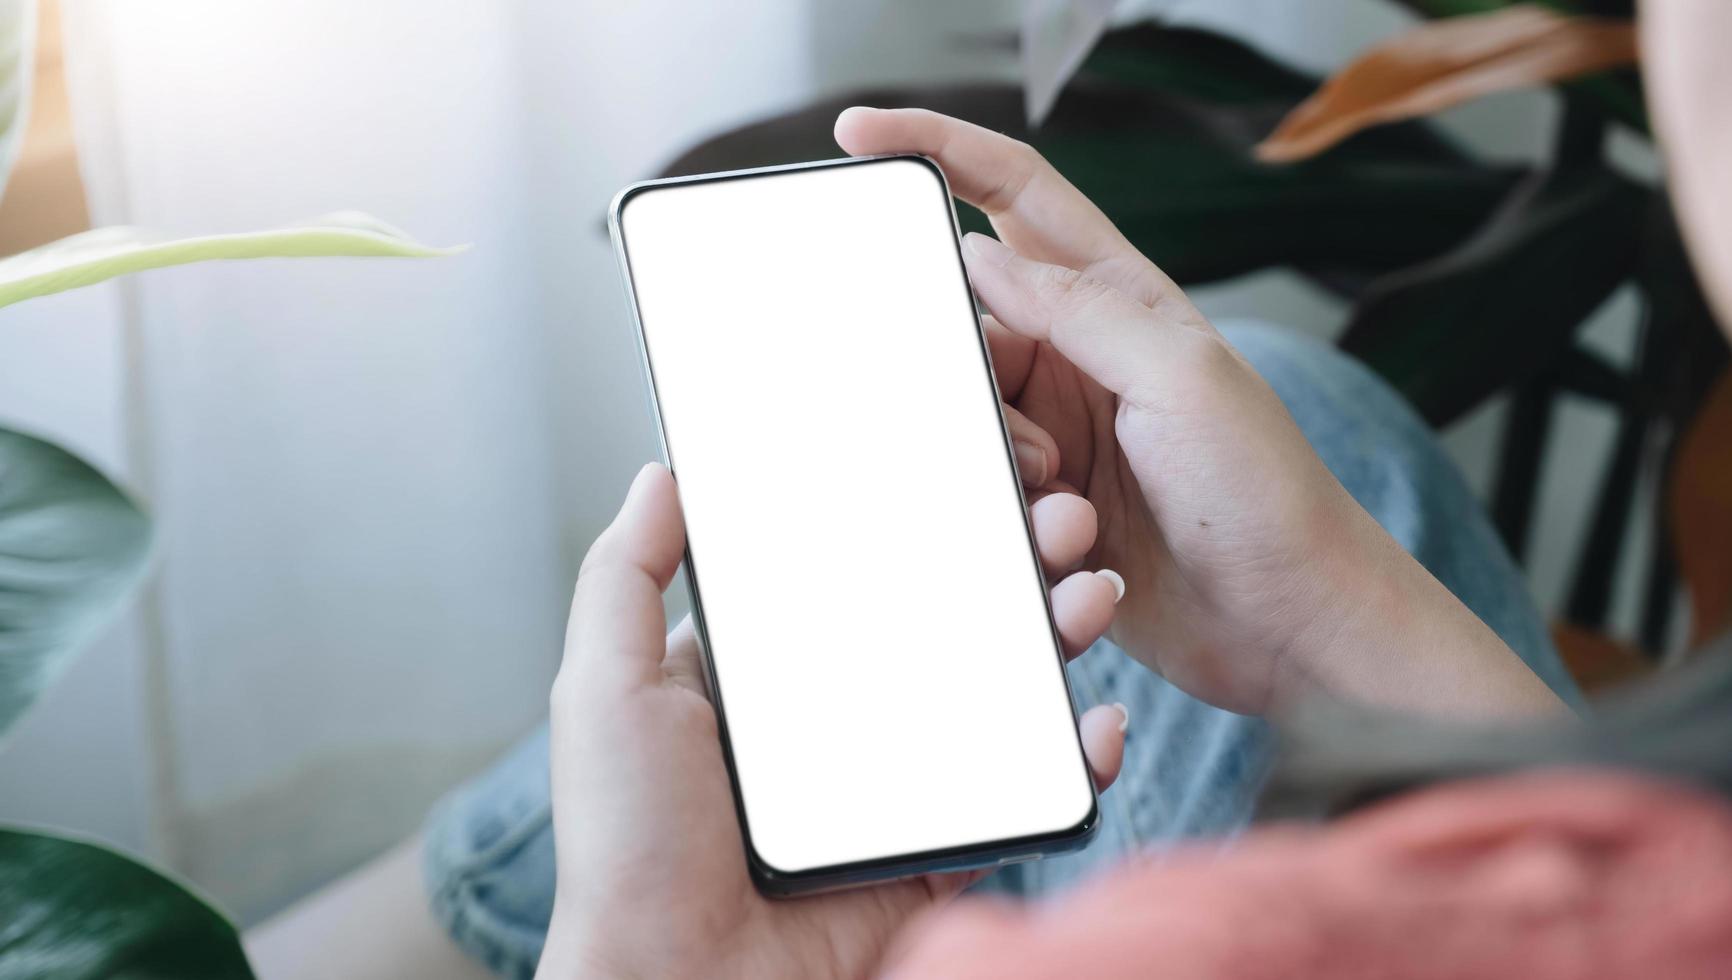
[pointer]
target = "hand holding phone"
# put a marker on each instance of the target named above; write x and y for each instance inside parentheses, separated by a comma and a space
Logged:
(1254, 580)
(651, 881)
(861, 564)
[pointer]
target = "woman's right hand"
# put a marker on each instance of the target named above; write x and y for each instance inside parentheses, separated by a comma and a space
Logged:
(1253, 578)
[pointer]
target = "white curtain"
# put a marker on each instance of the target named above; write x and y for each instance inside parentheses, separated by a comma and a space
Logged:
(373, 480)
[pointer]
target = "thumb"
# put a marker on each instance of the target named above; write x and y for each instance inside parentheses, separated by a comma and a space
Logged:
(1120, 343)
(617, 628)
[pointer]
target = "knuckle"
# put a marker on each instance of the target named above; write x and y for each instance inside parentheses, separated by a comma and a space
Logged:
(695, 717)
(1022, 163)
(1029, 161)
(1059, 279)
(1069, 286)
(1214, 363)
(1219, 357)
(566, 686)
(1024, 152)
(588, 595)
(595, 556)
(586, 578)
(598, 586)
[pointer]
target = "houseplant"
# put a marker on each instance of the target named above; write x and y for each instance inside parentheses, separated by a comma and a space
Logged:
(72, 547)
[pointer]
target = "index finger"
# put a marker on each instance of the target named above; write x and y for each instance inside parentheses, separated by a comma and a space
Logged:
(1033, 208)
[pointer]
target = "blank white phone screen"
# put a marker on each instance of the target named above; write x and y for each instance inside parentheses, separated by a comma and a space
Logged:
(874, 609)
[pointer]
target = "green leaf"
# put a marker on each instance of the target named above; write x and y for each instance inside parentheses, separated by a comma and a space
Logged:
(72, 547)
(1181, 184)
(17, 64)
(105, 253)
(1185, 64)
(1193, 63)
(1507, 303)
(1456, 8)
(1459, 8)
(1157, 130)
(1618, 94)
(1177, 176)
(71, 910)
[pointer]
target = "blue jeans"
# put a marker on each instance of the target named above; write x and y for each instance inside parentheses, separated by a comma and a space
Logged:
(1189, 769)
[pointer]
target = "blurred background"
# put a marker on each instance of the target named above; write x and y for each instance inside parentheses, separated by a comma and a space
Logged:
(373, 481)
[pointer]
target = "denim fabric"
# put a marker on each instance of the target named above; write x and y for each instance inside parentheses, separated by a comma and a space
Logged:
(488, 860)
(1189, 769)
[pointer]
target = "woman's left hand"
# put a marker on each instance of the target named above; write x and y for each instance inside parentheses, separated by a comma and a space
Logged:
(652, 876)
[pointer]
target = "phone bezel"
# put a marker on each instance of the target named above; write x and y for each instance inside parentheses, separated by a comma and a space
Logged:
(769, 879)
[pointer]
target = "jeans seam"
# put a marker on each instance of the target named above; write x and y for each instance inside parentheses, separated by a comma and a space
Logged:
(504, 946)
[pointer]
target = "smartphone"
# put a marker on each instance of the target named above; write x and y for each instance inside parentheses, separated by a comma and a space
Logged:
(880, 649)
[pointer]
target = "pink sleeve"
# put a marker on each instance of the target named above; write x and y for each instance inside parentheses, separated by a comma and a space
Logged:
(1536, 877)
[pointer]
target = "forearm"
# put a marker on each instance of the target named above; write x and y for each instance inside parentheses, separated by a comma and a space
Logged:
(1396, 639)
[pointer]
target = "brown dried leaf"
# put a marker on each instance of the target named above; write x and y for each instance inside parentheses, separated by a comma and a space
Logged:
(1445, 63)
(1701, 511)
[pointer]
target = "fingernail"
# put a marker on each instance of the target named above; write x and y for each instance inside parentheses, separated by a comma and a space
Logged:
(1117, 581)
(1124, 717)
(1031, 460)
(989, 249)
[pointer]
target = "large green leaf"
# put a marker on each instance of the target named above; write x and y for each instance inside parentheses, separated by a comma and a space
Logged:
(1195, 63)
(1191, 64)
(1503, 306)
(1175, 172)
(71, 910)
(1179, 180)
(17, 60)
(108, 252)
(1459, 8)
(72, 546)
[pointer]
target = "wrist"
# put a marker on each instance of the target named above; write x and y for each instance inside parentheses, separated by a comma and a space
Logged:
(571, 954)
(1388, 635)
(1345, 596)
(559, 962)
